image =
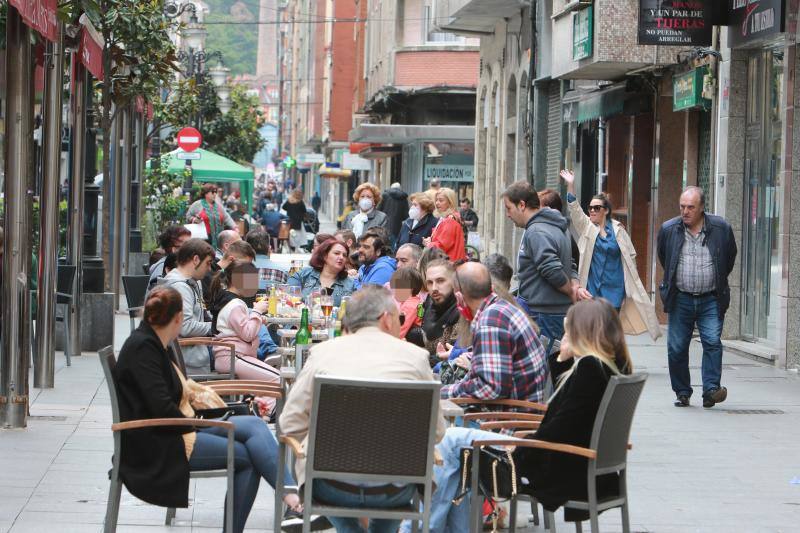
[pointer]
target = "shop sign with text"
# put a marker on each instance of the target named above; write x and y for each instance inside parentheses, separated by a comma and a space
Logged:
(41, 15)
(582, 34)
(687, 91)
(675, 22)
(754, 20)
(449, 172)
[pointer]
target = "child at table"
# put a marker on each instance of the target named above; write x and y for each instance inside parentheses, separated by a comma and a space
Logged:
(406, 284)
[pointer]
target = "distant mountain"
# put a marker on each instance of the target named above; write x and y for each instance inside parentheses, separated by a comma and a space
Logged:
(238, 41)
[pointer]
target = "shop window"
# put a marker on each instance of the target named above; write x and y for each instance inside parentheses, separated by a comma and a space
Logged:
(704, 156)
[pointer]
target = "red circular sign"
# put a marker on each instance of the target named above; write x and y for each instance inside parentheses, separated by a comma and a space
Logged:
(189, 139)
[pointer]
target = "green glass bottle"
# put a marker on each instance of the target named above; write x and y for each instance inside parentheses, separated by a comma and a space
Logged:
(302, 341)
(420, 311)
(303, 335)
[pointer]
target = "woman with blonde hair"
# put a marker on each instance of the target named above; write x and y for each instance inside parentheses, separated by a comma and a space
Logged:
(449, 232)
(367, 215)
(592, 351)
(296, 211)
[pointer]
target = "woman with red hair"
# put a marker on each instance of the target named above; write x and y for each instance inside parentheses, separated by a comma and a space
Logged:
(327, 271)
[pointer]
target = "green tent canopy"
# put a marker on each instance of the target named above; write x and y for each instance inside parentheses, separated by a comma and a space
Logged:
(214, 168)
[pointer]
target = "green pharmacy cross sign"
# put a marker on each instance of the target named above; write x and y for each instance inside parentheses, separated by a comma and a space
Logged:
(582, 34)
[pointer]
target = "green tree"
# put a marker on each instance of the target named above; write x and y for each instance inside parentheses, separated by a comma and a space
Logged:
(235, 134)
(138, 58)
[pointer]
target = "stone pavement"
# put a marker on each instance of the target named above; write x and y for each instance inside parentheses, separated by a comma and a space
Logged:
(727, 469)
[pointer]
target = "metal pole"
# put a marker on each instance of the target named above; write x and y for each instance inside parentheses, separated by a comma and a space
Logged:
(114, 203)
(44, 357)
(18, 216)
(75, 241)
(602, 128)
(129, 157)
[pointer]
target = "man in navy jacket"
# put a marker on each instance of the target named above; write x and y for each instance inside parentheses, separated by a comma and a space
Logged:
(697, 251)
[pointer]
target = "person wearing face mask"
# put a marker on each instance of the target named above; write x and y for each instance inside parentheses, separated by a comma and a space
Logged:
(508, 360)
(232, 320)
(420, 222)
(366, 216)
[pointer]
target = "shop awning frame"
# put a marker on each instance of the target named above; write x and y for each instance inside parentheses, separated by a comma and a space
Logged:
(408, 133)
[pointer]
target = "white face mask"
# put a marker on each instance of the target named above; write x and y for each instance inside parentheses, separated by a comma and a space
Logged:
(365, 204)
(414, 213)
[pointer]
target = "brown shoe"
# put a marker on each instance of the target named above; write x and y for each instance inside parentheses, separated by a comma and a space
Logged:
(714, 397)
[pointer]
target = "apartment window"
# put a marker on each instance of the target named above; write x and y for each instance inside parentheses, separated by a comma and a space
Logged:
(433, 36)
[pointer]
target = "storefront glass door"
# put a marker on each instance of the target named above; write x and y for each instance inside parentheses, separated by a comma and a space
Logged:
(761, 250)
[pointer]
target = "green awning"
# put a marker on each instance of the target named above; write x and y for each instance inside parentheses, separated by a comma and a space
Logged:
(211, 167)
(602, 104)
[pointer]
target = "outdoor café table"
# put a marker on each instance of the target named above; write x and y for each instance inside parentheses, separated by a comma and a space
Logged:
(287, 321)
(285, 260)
(451, 411)
(286, 335)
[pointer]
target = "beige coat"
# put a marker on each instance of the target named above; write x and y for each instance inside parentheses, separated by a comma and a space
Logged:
(638, 312)
(367, 354)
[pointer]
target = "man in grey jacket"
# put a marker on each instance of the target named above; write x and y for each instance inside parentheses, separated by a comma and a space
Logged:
(548, 277)
(194, 262)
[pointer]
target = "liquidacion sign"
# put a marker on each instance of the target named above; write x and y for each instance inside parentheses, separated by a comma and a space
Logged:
(675, 22)
(754, 20)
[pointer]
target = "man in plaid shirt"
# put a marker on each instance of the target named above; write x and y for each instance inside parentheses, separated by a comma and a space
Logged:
(508, 361)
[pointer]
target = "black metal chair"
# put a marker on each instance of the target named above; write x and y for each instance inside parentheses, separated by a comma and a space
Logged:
(65, 280)
(607, 453)
(361, 432)
(135, 291)
(108, 361)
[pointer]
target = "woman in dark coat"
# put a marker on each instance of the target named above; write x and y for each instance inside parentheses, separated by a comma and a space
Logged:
(155, 462)
(593, 349)
(420, 222)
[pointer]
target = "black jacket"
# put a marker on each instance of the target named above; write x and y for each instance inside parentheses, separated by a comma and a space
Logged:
(153, 462)
(557, 477)
(296, 213)
(439, 323)
(394, 202)
(722, 245)
(422, 230)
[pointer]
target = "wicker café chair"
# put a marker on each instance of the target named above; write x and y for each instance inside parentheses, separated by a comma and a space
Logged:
(607, 453)
(361, 432)
(204, 341)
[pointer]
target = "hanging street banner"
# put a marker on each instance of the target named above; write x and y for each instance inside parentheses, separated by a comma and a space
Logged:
(752, 21)
(675, 22)
(90, 48)
(582, 34)
(41, 15)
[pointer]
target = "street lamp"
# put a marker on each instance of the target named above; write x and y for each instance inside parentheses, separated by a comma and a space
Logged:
(194, 33)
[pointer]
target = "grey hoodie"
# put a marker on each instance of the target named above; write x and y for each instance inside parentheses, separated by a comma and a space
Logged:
(545, 262)
(195, 357)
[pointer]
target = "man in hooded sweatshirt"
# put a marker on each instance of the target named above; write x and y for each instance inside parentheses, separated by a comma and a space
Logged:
(377, 266)
(548, 277)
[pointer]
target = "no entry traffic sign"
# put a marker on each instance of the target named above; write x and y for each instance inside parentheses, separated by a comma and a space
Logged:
(189, 139)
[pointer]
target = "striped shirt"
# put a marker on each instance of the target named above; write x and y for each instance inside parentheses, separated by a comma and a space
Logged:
(695, 273)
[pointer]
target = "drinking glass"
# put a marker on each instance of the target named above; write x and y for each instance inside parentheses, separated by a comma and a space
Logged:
(326, 302)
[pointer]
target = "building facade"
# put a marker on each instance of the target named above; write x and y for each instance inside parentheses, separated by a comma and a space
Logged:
(639, 114)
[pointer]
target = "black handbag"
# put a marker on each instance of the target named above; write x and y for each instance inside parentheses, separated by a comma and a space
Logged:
(497, 474)
(242, 408)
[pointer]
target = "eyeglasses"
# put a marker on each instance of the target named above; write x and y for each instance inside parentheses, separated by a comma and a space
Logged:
(596, 207)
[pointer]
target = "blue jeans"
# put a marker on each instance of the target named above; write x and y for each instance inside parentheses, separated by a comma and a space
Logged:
(703, 311)
(447, 517)
(328, 494)
(266, 346)
(256, 457)
(550, 325)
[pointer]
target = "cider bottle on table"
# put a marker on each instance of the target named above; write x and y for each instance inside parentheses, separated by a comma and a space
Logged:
(273, 302)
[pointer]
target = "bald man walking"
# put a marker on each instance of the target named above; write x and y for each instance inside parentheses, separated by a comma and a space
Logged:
(508, 360)
(697, 251)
